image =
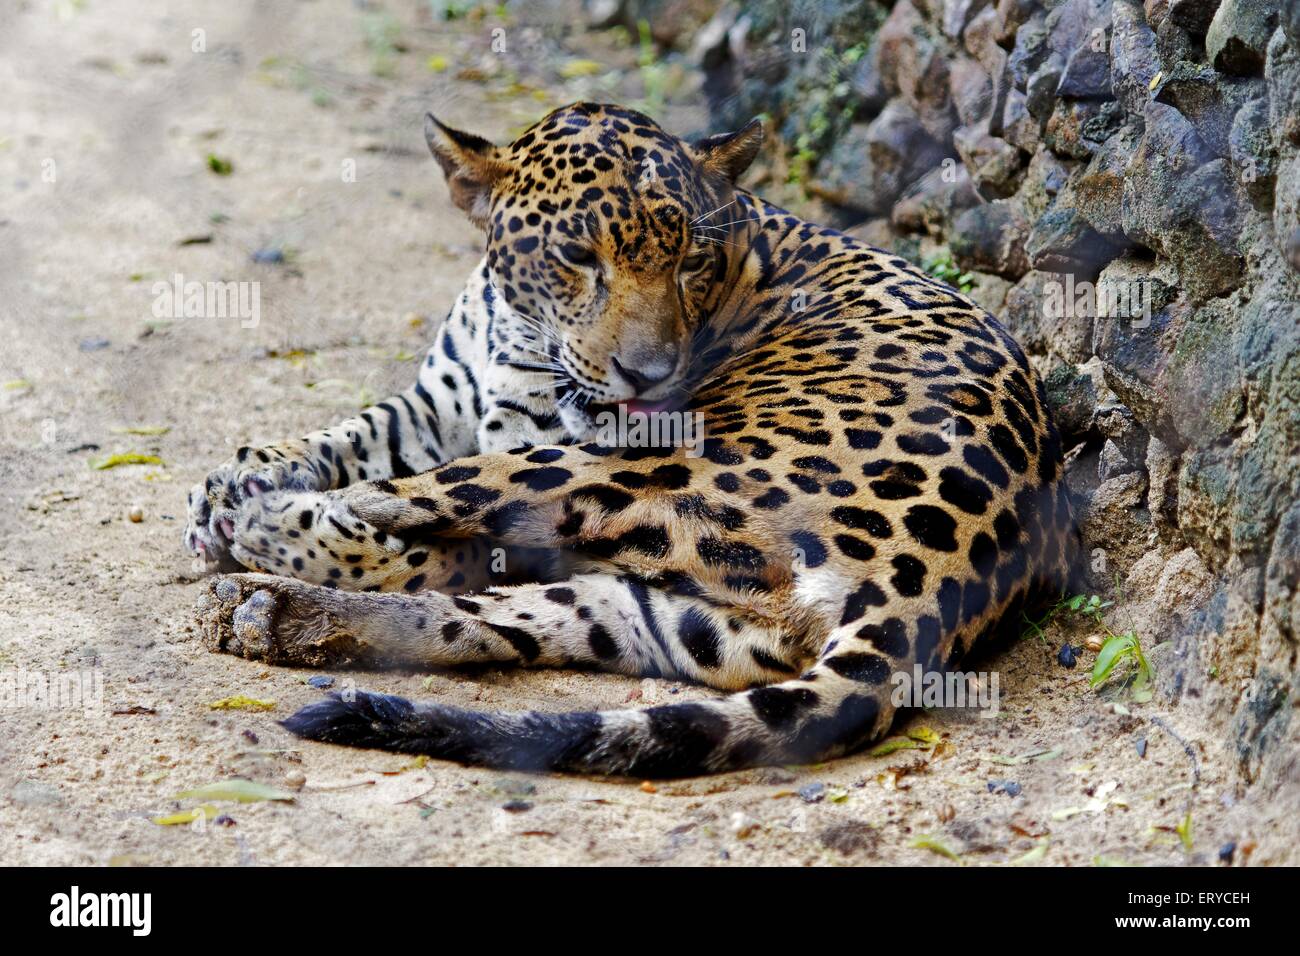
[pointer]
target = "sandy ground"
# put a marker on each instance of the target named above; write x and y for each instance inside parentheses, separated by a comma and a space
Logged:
(104, 186)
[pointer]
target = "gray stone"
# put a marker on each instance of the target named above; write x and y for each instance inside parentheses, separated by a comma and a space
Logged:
(981, 41)
(1282, 76)
(1087, 73)
(991, 238)
(971, 90)
(958, 13)
(1239, 33)
(1010, 15)
(1194, 16)
(1134, 61)
(1162, 487)
(1290, 22)
(1072, 398)
(914, 65)
(869, 167)
(932, 203)
(1097, 191)
(1077, 128)
(1112, 462)
(1039, 318)
(1115, 519)
(1183, 206)
(1062, 241)
(1030, 52)
(867, 84)
(1250, 145)
(1208, 100)
(1044, 180)
(994, 164)
(1018, 126)
(1040, 87)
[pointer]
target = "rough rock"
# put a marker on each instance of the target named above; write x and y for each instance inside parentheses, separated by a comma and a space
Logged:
(1208, 100)
(972, 91)
(1040, 311)
(1087, 72)
(1194, 16)
(1179, 204)
(868, 169)
(1250, 145)
(1162, 488)
(994, 165)
(932, 203)
(1097, 190)
(1238, 35)
(1072, 397)
(991, 238)
(1063, 241)
(1134, 60)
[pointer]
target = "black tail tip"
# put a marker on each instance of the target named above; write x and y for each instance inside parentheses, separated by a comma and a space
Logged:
(357, 719)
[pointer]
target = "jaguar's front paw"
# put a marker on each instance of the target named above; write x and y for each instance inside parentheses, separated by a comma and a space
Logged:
(214, 503)
(318, 537)
(276, 620)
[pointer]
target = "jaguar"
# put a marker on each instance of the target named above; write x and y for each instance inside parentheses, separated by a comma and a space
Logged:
(877, 486)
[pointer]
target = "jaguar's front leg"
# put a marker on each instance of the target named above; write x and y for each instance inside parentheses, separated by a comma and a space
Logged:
(647, 513)
(319, 537)
(432, 421)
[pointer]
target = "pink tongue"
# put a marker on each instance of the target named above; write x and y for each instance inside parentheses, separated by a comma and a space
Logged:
(636, 405)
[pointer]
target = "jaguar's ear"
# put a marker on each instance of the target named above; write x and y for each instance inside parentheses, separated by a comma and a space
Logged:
(729, 154)
(471, 164)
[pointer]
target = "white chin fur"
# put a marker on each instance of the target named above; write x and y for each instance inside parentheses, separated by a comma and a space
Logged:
(578, 423)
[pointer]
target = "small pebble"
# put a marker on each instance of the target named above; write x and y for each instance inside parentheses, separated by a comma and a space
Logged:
(295, 779)
(1142, 747)
(321, 682)
(813, 792)
(249, 736)
(135, 514)
(269, 256)
(1009, 787)
(1227, 851)
(648, 787)
(1066, 657)
(93, 345)
(224, 820)
(516, 806)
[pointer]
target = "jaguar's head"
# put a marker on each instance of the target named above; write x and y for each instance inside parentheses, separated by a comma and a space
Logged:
(602, 240)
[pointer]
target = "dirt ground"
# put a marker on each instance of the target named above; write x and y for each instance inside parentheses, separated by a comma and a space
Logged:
(110, 117)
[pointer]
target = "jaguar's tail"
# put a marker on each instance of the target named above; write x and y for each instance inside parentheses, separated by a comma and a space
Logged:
(820, 715)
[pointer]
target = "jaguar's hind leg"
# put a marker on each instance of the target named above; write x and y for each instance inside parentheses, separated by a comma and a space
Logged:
(617, 623)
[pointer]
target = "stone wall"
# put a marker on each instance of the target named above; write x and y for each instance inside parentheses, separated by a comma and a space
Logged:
(1062, 149)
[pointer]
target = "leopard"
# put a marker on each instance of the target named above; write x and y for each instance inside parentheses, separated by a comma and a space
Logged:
(878, 485)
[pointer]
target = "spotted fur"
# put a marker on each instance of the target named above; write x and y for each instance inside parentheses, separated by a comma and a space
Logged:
(879, 485)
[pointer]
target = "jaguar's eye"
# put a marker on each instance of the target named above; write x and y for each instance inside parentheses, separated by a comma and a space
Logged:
(695, 262)
(577, 255)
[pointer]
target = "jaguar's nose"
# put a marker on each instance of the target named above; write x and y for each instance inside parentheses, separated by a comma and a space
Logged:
(644, 372)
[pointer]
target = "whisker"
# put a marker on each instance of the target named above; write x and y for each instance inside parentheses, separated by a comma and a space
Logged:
(715, 211)
(733, 222)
